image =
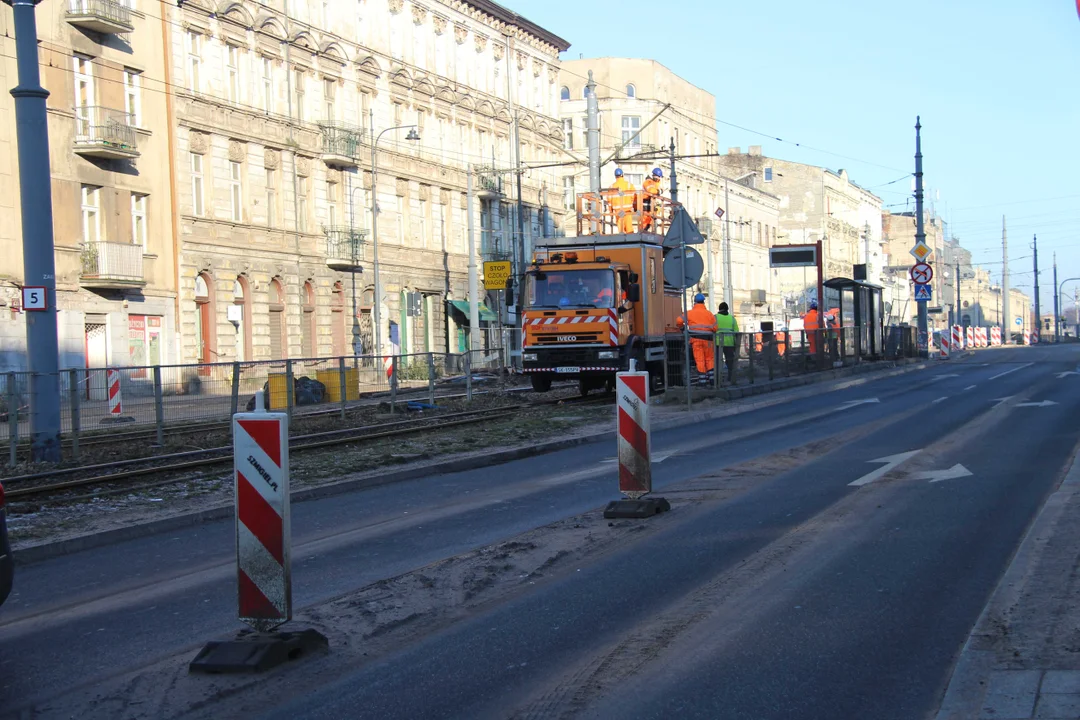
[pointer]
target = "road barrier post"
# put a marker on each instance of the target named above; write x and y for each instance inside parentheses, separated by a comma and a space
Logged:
(343, 389)
(76, 420)
(13, 419)
(634, 448)
(116, 403)
(263, 550)
(290, 388)
(468, 376)
(235, 400)
(431, 378)
(159, 407)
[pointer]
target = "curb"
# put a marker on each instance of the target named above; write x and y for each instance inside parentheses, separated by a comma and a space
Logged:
(968, 685)
(44, 551)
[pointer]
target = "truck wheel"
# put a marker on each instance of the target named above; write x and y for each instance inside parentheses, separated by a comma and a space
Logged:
(584, 386)
(540, 383)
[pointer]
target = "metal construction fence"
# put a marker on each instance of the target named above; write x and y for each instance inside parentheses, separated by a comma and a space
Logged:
(746, 358)
(164, 396)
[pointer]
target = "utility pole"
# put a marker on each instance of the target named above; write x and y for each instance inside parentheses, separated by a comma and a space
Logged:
(920, 233)
(729, 293)
(1006, 318)
(39, 264)
(959, 307)
(1057, 313)
(1035, 246)
(474, 285)
(592, 134)
(1076, 309)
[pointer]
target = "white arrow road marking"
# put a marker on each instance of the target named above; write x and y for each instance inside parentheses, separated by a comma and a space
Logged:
(1066, 374)
(891, 463)
(656, 458)
(956, 471)
(940, 399)
(946, 375)
(1007, 372)
(1044, 403)
(852, 403)
(998, 401)
(970, 387)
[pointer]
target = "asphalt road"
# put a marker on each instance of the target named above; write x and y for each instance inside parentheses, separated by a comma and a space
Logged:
(804, 597)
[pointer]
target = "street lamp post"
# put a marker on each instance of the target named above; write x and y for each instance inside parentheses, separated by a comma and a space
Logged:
(377, 300)
(356, 346)
(1060, 288)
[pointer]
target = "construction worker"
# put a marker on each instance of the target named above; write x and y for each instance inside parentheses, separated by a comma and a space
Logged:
(727, 329)
(832, 325)
(811, 324)
(651, 188)
(622, 202)
(701, 322)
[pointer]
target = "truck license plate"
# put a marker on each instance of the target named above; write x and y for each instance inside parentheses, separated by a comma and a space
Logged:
(568, 370)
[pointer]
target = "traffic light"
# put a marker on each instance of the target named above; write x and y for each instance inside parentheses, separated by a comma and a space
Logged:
(1047, 322)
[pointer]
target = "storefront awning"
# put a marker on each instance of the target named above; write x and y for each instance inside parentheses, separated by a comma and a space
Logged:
(462, 306)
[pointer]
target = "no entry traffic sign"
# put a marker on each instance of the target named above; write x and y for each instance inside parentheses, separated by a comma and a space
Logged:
(922, 273)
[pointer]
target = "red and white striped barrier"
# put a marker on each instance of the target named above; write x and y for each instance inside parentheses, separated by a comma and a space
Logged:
(261, 467)
(943, 349)
(981, 340)
(995, 336)
(969, 333)
(957, 338)
(115, 401)
(1027, 337)
(1035, 336)
(635, 442)
(612, 319)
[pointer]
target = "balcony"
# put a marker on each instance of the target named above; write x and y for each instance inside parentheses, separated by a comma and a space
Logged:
(345, 248)
(103, 16)
(105, 133)
(341, 145)
(112, 266)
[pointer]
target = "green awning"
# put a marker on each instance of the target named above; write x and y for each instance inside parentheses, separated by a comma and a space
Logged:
(462, 306)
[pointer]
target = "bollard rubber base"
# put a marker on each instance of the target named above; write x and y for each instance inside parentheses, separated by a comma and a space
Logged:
(640, 508)
(115, 419)
(253, 652)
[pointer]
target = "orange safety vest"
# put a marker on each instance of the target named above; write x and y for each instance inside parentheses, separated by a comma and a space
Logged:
(626, 200)
(701, 320)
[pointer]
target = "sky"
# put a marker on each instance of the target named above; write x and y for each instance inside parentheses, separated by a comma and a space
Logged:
(841, 83)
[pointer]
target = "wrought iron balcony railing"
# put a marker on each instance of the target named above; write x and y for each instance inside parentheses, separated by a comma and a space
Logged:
(345, 247)
(112, 265)
(341, 144)
(105, 132)
(103, 16)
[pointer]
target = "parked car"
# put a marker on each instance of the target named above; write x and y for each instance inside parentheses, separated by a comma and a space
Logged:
(7, 564)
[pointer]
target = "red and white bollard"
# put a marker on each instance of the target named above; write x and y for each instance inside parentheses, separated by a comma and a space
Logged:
(1035, 336)
(635, 448)
(943, 351)
(263, 545)
(957, 338)
(115, 401)
(1027, 337)
(969, 333)
(995, 336)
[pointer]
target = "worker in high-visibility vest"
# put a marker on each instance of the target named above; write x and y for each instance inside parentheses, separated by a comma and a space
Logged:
(651, 189)
(811, 324)
(622, 202)
(702, 322)
(727, 330)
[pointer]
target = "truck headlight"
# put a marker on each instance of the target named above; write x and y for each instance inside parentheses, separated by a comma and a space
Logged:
(608, 354)
(528, 357)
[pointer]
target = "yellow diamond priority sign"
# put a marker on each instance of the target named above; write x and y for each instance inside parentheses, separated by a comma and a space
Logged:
(921, 251)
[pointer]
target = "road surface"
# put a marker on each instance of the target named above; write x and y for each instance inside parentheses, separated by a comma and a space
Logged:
(842, 587)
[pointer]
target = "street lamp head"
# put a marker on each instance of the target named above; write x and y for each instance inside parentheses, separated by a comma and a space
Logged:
(413, 135)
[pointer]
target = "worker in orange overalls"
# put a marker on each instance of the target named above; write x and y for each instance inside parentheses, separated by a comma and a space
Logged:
(701, 321)
(811, 324)
(622, 202)
(651, 188)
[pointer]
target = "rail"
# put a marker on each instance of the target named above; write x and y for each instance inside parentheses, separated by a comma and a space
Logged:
(612, 212)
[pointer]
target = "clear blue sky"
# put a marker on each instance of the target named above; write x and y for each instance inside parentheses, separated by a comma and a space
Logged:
(997, 83)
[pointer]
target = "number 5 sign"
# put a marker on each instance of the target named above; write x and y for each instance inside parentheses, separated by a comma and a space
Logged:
(35, 299)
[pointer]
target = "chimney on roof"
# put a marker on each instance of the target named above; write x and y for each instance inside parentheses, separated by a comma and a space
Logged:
(754, 150)
(734, 151)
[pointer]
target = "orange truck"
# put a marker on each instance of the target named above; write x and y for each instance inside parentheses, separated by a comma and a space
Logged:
(593, 303)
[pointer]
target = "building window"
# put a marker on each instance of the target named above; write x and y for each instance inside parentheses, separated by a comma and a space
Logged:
(138, 221)
(298, 76)
(568, 191)
(328, 100)
(331, 204)
(232, 68)
(768, 174)
(84, 94)
(302, 203)
(236, 194)
(132, 98)
(401, 219)
(568, 133)
(635, 179)
(268, 84)
(564, 93)
(631, 91)
(91, 215)
(197, 206)
(194, 58)
(271, 197)
(397, 113)
(631, 127)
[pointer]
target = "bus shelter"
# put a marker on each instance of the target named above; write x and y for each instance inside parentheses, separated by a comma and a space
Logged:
(855, 308)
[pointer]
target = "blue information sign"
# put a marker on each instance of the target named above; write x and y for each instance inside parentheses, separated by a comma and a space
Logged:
(922, 292)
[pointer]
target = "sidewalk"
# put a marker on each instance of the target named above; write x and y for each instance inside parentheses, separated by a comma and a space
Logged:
(1022, 659)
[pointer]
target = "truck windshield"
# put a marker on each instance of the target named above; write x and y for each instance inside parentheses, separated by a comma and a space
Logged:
(571, 288)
